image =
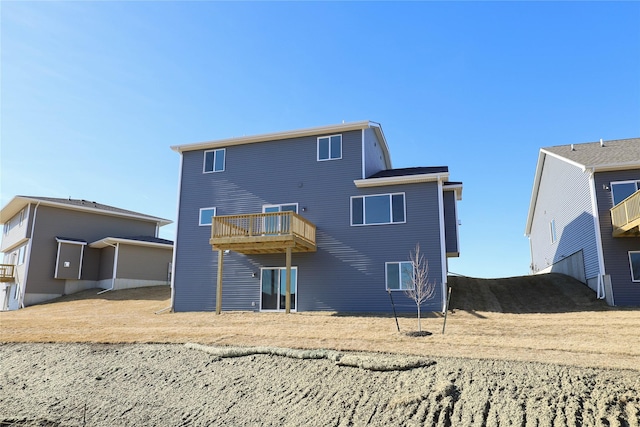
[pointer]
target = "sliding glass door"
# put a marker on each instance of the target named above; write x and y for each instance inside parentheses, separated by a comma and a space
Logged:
(273, 284)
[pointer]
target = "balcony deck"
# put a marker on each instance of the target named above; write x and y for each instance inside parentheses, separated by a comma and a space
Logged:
(7, 272)
(625, 217)
(272, 232)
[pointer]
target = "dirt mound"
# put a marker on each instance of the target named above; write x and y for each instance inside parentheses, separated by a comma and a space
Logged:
(543, 293)
(152, 384)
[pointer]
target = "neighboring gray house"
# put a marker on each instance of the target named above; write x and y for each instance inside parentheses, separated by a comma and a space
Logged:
(319, 209)
(52, 247)
(584, 216)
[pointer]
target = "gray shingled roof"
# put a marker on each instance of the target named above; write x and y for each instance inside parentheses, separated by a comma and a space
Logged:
(409, 171)
(591, 154)
(90, 205)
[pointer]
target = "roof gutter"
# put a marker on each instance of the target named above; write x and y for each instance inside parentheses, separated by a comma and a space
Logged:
(405, 179)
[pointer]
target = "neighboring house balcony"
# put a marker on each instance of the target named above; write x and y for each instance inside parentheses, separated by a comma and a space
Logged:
(7, 272)
(272, 232)
(625, 217)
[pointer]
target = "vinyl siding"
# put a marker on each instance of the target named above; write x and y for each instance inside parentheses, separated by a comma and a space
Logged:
(143, 263)
(564, 196)
(615, 249)
(347, 273)
(16, 231)
(373, 158)
(52, 222)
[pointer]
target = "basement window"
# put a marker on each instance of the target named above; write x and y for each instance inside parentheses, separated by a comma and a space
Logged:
(399, 275)
(634, 263)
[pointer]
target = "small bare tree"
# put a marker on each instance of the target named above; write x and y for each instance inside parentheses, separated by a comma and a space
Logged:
(417, 285)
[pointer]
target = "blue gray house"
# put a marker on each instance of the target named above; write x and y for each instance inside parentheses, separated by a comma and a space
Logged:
(584, 216)
(308, 220)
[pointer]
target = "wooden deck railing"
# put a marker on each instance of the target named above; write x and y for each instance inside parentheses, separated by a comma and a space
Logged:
(265, 224)
(7, 272)
(626, 213)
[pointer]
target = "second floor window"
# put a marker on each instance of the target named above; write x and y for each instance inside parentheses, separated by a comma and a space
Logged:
(214, 160)
(330, 147)
(378, 209)
(206, 216)
(623, 189)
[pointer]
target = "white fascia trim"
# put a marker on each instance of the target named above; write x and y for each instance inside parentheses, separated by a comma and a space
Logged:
(405, 179)
(110, 241)
(71, 242)
(613, 166)
(454, 187)
(15, 245)
(564, 159)
(534, 192)
(18, 202)
(321, 130)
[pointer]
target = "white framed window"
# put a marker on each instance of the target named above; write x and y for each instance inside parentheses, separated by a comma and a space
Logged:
(634, 263)
(21, 254)
(22, 215)
(214, 160)
(329, 147)
(398, 275)
(206, 215)
(284, 207)
(378, 209)
(620, 190)
(552, 231)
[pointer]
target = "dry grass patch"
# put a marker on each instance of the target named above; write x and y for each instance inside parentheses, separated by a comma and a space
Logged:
(604, 338)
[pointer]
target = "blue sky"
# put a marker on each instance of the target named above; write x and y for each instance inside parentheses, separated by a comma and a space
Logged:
(94, 93)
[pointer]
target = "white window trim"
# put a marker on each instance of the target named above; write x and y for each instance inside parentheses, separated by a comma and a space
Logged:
(318, 148)
(279, 205)
(204, 160)
(200, 216)
(634, 280)
(631, 181)
(386, 283)
(364, 224)
(282, 269)
(553, 231)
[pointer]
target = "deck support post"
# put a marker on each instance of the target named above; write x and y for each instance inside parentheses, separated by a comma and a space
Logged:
(219, 287)
(288, 282)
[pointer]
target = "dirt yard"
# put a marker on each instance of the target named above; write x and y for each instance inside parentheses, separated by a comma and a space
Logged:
(564, 360)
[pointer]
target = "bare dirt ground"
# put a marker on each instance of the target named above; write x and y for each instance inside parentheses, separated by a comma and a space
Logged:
(508, 357)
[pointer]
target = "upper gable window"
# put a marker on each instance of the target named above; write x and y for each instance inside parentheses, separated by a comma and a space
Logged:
(214, 160)
(330, 147)
(378, 209)
(623, 189)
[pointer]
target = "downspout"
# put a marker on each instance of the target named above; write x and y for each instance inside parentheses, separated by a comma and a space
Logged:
(115, 268)
(443, 244)
(601, 294)
(28, 260)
